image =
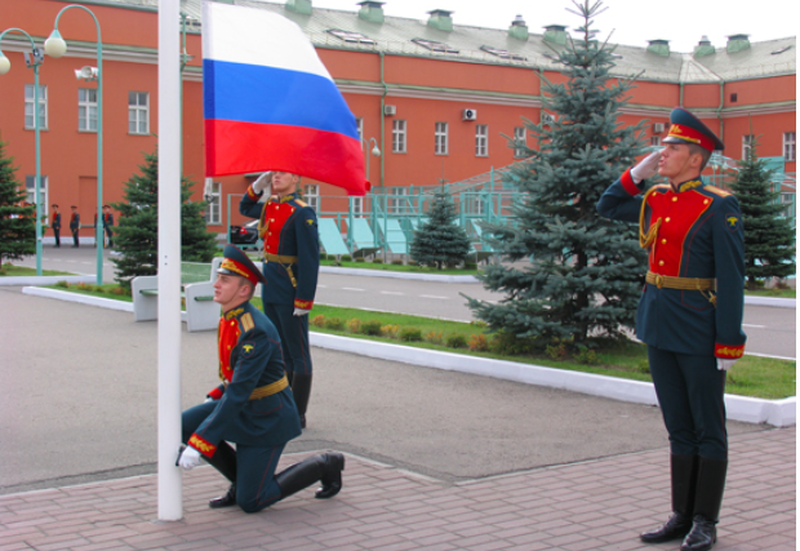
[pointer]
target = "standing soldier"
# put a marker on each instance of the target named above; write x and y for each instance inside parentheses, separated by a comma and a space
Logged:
(55, 223)
(108, 223)
(690, 314)
(253, 407)
(75, 225)
(288, 228)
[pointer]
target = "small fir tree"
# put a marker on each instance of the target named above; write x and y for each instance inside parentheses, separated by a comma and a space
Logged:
(440, 241)
(17, 219)
(137, 232)
(769, 238)
(567, 273)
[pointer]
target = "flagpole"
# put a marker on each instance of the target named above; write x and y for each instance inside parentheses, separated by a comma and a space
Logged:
(170, 495)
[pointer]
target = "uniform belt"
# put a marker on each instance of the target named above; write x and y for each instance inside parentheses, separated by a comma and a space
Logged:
(270, 389)
(282, 258)
(684, 283)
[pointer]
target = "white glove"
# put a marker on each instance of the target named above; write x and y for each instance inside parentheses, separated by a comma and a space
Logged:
(263, 183)
(190, 458)
(646, 168)
(725, 365)
(208, 399)
(301, 311)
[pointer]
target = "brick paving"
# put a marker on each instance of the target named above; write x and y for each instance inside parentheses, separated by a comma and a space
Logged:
(591, 505)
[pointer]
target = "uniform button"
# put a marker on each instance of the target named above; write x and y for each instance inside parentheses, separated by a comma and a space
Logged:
(674, 199)
(666, 219)
(705, 202)
(663, 241)
(660, 262)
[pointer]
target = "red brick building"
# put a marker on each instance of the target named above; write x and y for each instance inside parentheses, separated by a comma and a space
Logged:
(438, 99)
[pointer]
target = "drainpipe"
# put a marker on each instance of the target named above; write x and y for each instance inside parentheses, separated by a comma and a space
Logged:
(383, 103)
(719, 109)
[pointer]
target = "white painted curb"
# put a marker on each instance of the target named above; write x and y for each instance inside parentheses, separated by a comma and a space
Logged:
(109, 303)
(47, 280)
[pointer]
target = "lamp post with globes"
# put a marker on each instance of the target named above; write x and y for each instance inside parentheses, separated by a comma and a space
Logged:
(377, 153)
(55, 46)
(32, 60)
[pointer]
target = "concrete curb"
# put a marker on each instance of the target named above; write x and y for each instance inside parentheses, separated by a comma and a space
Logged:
(47, 280)
(778, 413)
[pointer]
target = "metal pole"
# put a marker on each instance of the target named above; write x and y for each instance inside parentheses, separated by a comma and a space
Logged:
(170, 495)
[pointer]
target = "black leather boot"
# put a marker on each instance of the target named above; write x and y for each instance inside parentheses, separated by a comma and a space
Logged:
(325, 467)
(224, 460)
(710, 487)
(683, 472)
(301, 388)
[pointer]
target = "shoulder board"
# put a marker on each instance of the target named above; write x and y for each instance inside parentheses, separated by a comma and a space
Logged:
(247, 322)
(301, 203)
(716, 191)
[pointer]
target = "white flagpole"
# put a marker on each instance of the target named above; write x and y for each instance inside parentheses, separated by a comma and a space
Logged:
(170, 495)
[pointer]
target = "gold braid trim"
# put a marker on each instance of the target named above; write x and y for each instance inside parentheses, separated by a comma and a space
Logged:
(646, 239)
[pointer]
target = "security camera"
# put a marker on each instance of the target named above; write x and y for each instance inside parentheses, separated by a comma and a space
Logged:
(86, 72)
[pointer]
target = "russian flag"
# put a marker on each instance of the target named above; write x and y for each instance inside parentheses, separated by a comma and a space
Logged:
(270, 103)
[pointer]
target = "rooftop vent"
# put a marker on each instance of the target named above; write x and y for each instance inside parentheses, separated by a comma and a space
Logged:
(658, 47)
(704, 48)
(441, 20)
(371, 11)
(738, 43)
(299, 6)
(518, 29)
(557, 34)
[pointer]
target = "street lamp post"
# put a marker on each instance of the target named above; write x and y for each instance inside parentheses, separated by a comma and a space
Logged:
(377, 153)
(33, 61)
(55, 46)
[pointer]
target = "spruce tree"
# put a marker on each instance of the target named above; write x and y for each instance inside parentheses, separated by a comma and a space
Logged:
(136, 235)
(440, 241)
(769, 244)
(17, 221)
(566, 272)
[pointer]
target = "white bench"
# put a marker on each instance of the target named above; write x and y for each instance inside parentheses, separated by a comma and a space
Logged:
(197, 283)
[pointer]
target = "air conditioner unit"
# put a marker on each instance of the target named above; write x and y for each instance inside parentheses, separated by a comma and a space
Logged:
(658, 128)
(548, 119)
(469, 114)
(389, 110)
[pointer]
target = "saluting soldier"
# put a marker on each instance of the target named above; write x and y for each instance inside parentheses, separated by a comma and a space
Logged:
(288, 228)
(253, 407)
(689, 315)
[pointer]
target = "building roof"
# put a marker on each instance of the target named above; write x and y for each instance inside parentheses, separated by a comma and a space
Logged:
(739, 59)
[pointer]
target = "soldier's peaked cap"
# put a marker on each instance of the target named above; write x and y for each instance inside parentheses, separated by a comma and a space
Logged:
(235, 262)
(686, 128)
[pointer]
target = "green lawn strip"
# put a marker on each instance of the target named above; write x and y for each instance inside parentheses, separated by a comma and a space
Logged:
(9, 270)
(107, 290)
(751, 376)
(774, 292)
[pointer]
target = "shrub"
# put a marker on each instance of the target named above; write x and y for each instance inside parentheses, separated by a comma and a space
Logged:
(557, 351)
(397, 262)
(435, 337)
(346, 258)
(361, 259)
(371, 327)
(508, 344)
(377, 260)
(410, 334)
(390, 331)
(586, 356)
(354, 325)
(456, 340)
(337, 324)
(318, 321)
(478, 343)
(63, 284)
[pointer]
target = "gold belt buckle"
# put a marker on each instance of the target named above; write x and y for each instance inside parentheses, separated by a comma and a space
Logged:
(659, 281)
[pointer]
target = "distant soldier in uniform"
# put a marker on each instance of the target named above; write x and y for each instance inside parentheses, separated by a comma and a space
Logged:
(75, 225)
(253, 407)
(690, 314)
(108, 223)
(288, 228)
(55, 223)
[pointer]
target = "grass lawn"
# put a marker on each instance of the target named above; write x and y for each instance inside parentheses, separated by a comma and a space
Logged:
(9, 270)
(751, 376)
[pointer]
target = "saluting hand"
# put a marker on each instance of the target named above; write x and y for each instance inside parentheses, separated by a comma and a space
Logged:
(646, 168)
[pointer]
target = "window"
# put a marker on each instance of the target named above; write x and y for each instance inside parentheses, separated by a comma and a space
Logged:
(789, 147)
(655, 141)
(747, 142)
(397, 203)
(482, 140)
(311, 196)
(434, 46)
(521, 140)
(87, 109)
(360, 125)
(29, 122)
(30, 188)
(398, 136)
(138, 113)
(504, 54)
(440, 135)
(214, 198)
(352, 37)
(357, 204)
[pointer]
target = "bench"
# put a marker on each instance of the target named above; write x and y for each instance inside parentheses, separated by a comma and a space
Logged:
(197, 291)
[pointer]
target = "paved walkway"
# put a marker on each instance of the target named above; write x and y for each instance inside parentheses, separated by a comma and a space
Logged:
(591, 505)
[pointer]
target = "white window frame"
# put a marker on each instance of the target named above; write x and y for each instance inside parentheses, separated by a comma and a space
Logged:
(358, 206)
(747, 142)
(214, 209)
(29, 121)
(655, 141)
(87, 109)
(789, 147)
(138, 114)
(481, 140)
(441, 139)
(360, 125)
(311, 196)
(520, 139)
(397, 204)
(30, 191)
(399, 136)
